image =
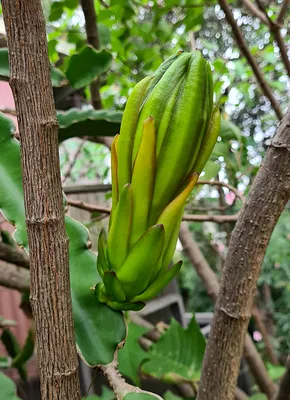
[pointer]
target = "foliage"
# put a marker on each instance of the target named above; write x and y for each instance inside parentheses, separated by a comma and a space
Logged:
(93, 321)
(8, 389)
(178, 354)
(131, 355)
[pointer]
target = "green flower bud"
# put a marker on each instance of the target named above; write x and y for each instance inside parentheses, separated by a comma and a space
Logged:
(168, 131)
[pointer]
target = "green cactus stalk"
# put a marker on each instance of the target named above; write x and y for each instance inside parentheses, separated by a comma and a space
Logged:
(168, 132)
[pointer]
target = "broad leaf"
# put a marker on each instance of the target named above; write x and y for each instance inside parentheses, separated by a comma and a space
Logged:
(74, 123)
(5, 362)
(132, 354)
(87, 65)
(258, 396)
(229, 131)
(140, 396)
(11, 193)
(57, 76)
(168, 395)
(25, 353)
(98, 328)
(8, 389)
(107, 394)
(178, 354)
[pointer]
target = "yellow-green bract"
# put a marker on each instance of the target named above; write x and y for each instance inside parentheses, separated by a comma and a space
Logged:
(168, 131)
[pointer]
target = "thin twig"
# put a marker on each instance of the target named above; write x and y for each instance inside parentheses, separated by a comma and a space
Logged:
(283, 11)
(254, 10)
(275, 29)
(73, 161)
(14, 277)
(284, 386)
(251, 60)
(13, 255)
(117, 382)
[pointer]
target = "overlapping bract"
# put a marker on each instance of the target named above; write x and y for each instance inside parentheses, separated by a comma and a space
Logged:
(168, 131)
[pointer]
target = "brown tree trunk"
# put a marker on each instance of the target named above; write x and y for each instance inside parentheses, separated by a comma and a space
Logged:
(48, 243)
(211, 283)
(268, 196)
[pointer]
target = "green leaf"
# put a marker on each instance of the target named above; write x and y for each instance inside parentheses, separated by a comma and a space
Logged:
(275, 371)
(211, 170)
(107, 394)
(98, 328)
(57, 76)
(258, 396)
(8, 389)
(140, 396)
(168, 395)
(74, 123)
(13, 349)
(11, 193)
(5, 362)
(104, 34)
(4, 65)
(132, 354)
(26, 352)
(87, 65)
(229, 131)
(178, 354)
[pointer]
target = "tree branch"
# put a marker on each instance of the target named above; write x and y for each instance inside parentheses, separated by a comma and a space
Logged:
(13, 256)
(91, 24)
(283, 392)
(73, 161)
(256, 313)
(269, 194)
(212, 286)
(283, 11)
(14, 277)
(251, 60)
(275, 29)
(48, 244)
(254, 10)
(118, 384)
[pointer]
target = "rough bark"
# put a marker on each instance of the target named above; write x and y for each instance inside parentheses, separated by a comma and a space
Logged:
(283, 392)
(14, 277)
(268, 196)
(212, 286)
(13, 256)
(48, 243)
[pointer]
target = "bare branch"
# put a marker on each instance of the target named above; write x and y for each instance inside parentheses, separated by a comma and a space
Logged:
(256, 313)
(88, 207)
(283, 11)
(212, 286)
(275, 29)
(14, 277)
(13, 255)
(251, 60)
(254, 10)
(73, 161)
(118, 384)
(269, 194)
(90, 15)
(284, 386)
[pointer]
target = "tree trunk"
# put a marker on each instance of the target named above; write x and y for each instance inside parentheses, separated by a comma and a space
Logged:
(268, 196)
(48, 243)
